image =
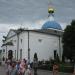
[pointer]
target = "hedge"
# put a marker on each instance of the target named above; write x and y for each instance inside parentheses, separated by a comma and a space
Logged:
(62, 68)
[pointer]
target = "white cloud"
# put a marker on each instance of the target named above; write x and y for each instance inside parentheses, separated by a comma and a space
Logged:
(63, 25)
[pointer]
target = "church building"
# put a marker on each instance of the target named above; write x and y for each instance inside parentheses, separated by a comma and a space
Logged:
(46, 42)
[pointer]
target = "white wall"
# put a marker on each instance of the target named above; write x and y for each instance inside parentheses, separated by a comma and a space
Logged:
(24, 44)
(45, 48)
(4, 53)
(43, 44)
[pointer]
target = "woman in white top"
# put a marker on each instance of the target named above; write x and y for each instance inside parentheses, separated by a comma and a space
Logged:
(27, 71)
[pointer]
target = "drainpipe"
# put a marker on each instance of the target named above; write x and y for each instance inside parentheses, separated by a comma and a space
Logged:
(59, 48)
(17, 44)
(28, 49)
(6, 51)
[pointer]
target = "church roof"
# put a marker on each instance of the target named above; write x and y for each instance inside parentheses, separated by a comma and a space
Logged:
(52, 24)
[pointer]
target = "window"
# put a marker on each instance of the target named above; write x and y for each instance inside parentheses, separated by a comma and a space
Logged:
(55, 31)
(21, 40)
(40, 40)
(10, 54)
(14, 40)
(11, 40)
(55, 54)
(3, 50)
(15, 54)
(20, 53)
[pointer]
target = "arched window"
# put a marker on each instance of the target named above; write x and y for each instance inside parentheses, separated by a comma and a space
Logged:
(10, 54)
(20, 53)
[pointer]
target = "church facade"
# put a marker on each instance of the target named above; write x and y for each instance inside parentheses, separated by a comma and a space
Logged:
(42, 42)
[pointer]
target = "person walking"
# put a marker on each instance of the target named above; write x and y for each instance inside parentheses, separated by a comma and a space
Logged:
(22, 68)
(12, 70)
(27, 71)
(35, 66)
(18, 64)
(74, 70)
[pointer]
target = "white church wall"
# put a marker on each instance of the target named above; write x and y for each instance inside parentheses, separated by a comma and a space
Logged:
(44, 48)
(23, 45)
(41, 43)
(4, 51)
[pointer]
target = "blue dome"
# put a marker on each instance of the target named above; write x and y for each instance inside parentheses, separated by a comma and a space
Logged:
(51, 24)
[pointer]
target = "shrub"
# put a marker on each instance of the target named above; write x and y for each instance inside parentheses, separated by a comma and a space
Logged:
(63, 67)
(66, 68)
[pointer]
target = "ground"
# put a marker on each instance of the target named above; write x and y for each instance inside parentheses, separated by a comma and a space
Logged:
(40, 72)
(2, 70)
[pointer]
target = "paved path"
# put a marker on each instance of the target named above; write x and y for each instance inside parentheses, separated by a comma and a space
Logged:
(2, 70)
(40, 72)
(44, 72)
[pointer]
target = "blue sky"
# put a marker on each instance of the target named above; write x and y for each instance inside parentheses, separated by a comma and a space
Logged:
(33, 13)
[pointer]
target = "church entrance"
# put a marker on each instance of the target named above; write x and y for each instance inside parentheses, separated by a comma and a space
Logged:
(10, 54)
(55, 54)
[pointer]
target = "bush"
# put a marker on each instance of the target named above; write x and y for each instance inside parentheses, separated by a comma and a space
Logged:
(66, 68)
(45, 67)
(40, 63)
(63, 67)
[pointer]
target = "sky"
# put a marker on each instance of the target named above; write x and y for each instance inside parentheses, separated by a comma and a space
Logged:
(33, 13)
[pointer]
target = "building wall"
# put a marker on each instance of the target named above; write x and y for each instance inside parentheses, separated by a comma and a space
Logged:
(4, 51)
(44, 45)
(23, 45)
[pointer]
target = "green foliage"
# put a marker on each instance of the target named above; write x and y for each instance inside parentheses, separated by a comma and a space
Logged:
(69, 41)
(46, 65)
(66, 67)
(63, 67)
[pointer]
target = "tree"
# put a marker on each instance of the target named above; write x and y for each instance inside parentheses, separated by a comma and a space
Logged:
(69, 41)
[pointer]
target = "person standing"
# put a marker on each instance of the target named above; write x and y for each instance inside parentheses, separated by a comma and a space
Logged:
(22, 68)
(35, 64)
(12, 70)
(18, 65)
(3, 58)
(74, 70)
(55, 69)
(27, 71)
